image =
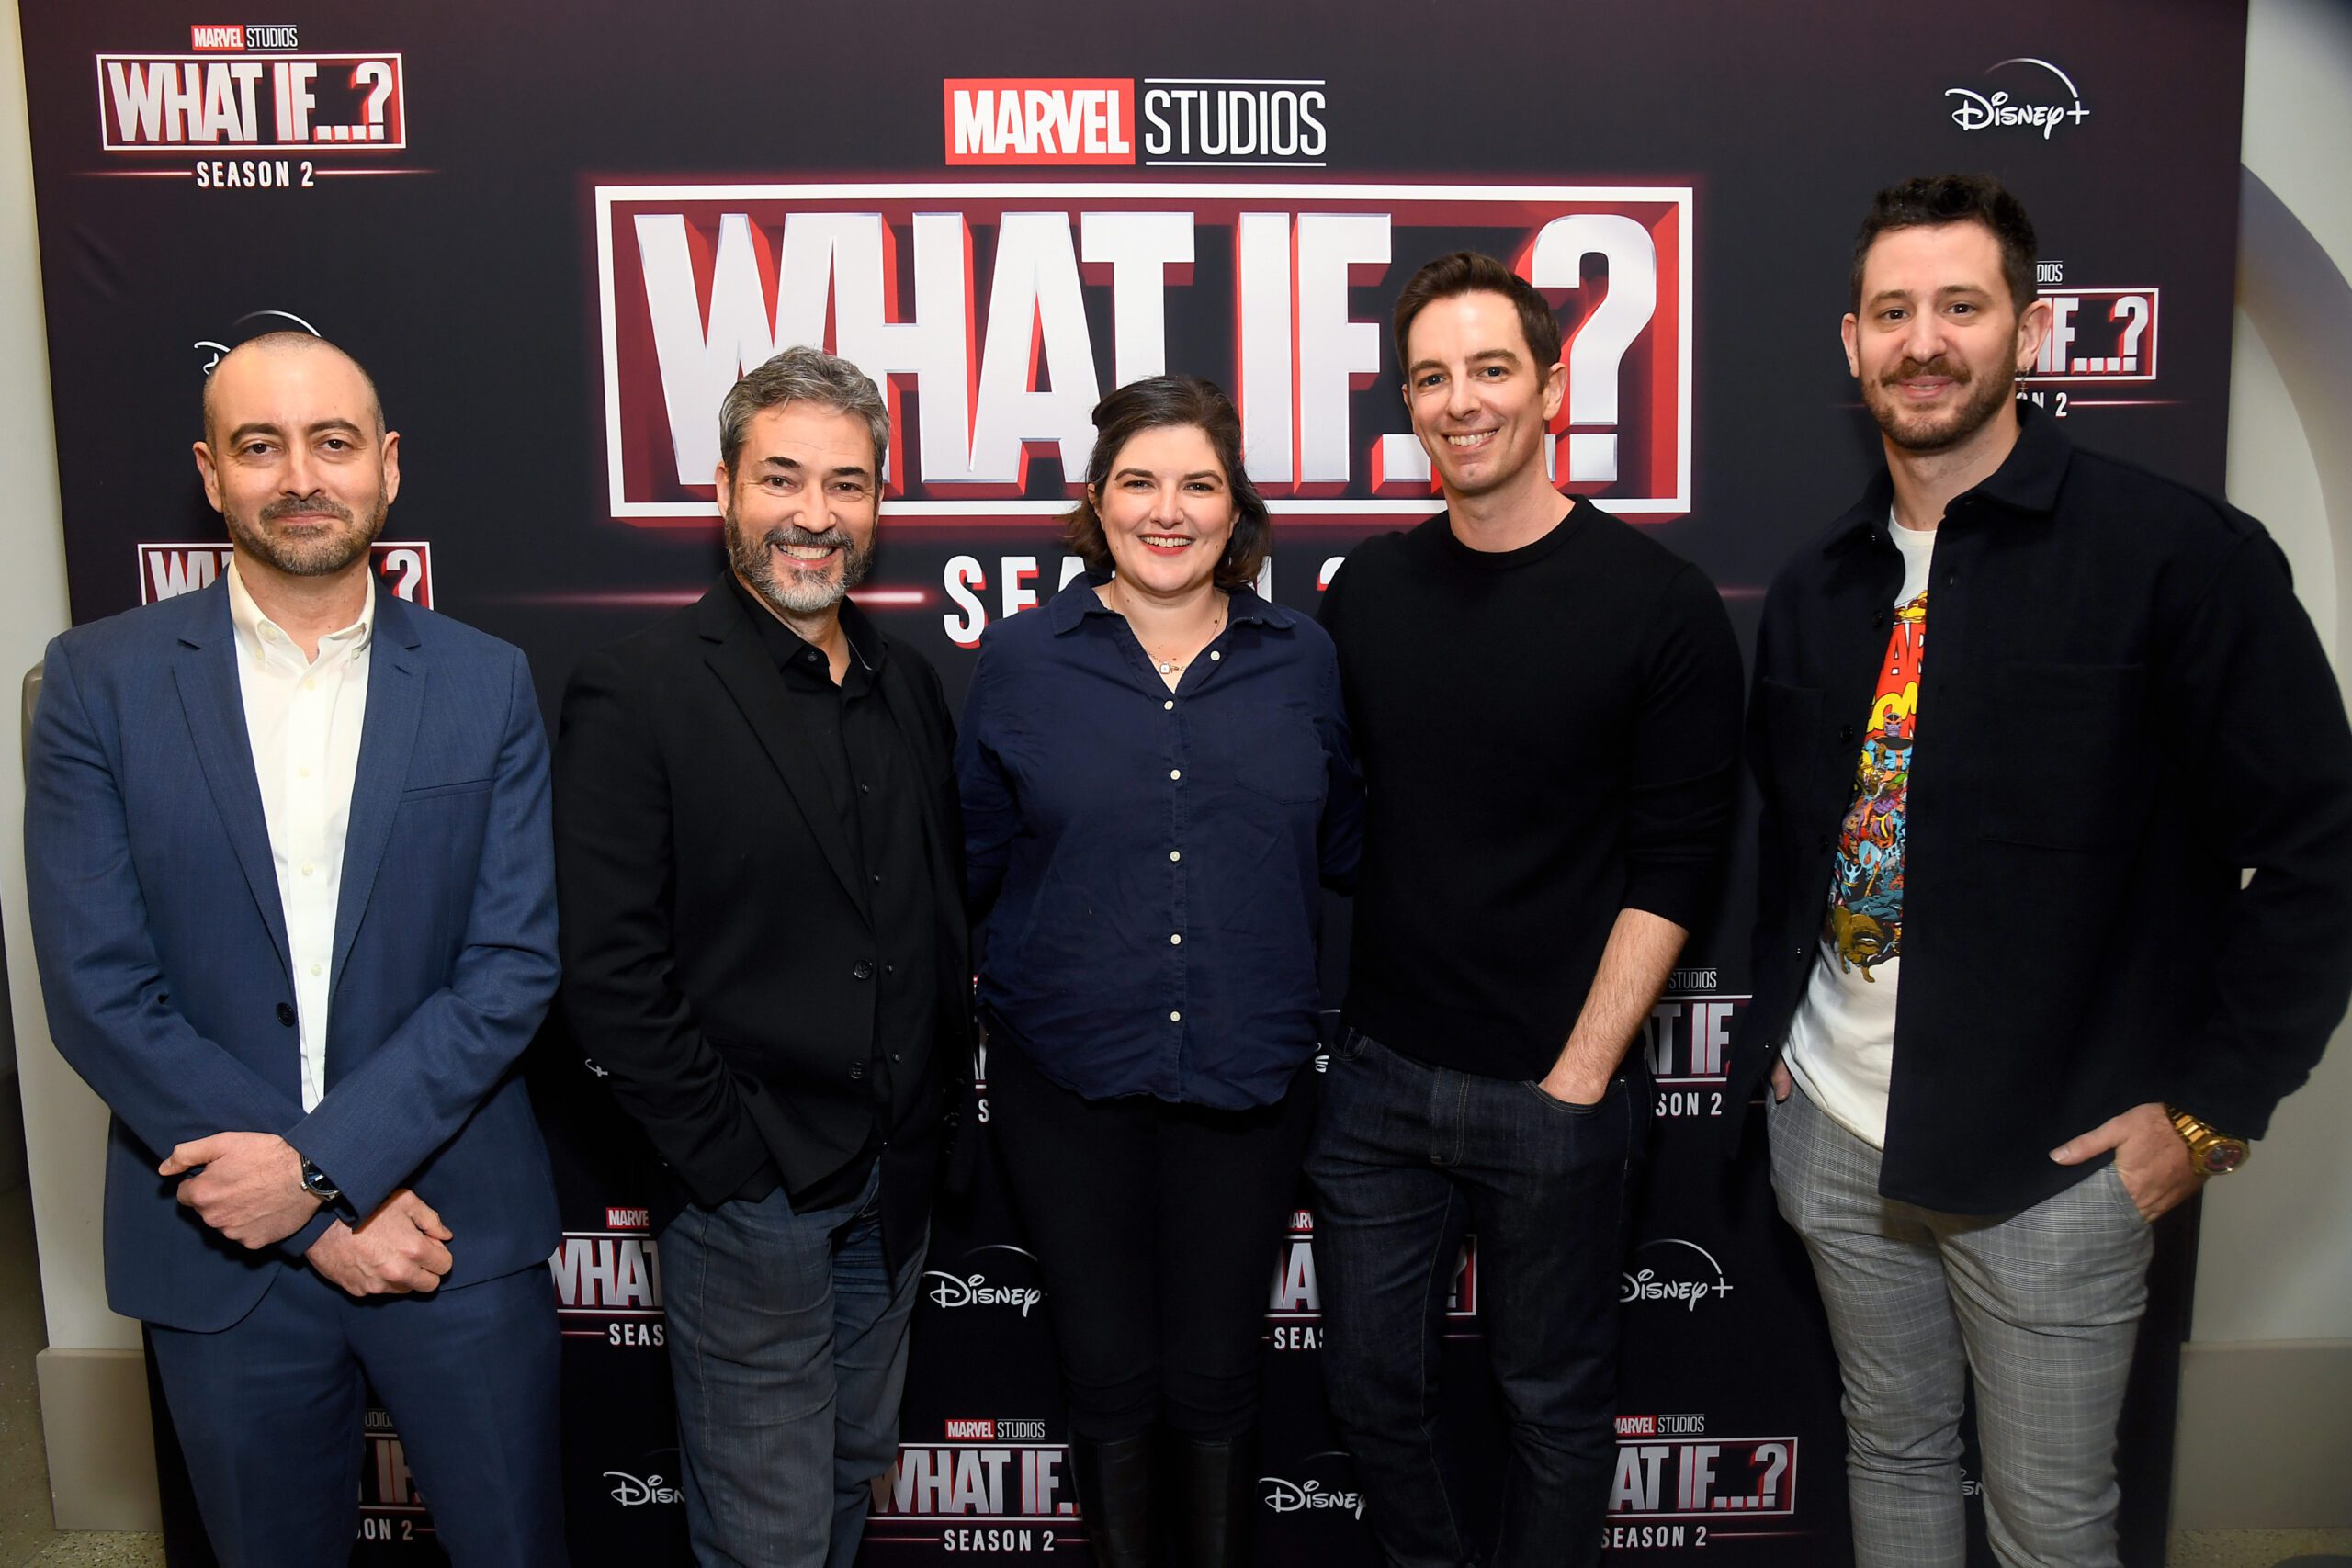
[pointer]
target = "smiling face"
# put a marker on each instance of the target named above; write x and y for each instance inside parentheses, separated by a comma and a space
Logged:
(296, 459)
(1938, 342)
(1479, 400)
(800, 507)
(1167, 510)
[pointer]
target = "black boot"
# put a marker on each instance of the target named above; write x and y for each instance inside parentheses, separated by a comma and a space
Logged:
(1217, 1515)
(1115, 1496)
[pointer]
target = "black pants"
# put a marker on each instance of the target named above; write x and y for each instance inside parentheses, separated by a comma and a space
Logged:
(1156, 1228)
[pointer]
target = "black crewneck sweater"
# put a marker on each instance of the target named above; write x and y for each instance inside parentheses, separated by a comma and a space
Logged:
(1548, 735)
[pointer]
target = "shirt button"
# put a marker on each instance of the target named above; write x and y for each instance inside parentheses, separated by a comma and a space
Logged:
(302, 772)
(1175, 1018)
(1214, 656)
(310, 685)
(306, 870)
(878, 879)
(1800, 952)
(1175, 773)
(1169, 704)
(1175, 938)
(866, 789)
(862, 969)
(316, 968)
(1175, 854)
(857, 1069)
(1846, 733)
(1825, 841)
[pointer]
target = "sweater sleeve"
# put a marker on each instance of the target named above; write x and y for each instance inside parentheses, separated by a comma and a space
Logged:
(1686, 754)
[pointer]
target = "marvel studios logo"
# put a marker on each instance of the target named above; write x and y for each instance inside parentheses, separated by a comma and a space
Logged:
(995, 1429)
(240, 36)
(1178, 122)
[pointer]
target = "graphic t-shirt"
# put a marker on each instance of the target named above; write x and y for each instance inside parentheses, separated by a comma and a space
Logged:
(1841, 1044)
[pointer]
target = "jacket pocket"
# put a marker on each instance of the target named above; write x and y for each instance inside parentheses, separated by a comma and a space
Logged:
(2066, 761)
(434, 792)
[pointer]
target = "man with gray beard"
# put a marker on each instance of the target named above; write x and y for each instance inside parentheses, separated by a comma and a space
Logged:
(764, 950)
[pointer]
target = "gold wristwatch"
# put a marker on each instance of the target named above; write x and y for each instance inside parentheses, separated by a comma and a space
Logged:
(2209, 1153)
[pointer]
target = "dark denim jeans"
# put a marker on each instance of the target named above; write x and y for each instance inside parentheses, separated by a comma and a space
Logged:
(788, 1352)
(1406, 1157)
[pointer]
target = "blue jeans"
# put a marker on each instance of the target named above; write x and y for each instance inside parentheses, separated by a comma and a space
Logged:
(1406, 1157)
(788, 1352)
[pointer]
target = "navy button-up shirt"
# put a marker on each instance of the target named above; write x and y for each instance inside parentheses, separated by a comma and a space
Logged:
(1150, 861)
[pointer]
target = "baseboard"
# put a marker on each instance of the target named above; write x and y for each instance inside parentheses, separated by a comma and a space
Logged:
(100, 1437)
(2265, 1427)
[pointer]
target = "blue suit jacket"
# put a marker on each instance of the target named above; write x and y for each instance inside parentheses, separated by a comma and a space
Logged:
(163, 953)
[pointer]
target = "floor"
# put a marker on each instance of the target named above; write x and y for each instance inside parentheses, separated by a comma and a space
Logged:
(27, 1541)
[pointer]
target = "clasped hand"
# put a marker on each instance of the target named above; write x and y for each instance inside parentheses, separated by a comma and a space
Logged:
(401, 1247)
(248, 1186)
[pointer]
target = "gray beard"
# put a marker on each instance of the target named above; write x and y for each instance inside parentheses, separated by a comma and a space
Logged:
(802, 594)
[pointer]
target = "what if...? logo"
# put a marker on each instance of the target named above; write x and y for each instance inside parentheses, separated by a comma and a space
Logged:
(166, 571)
(608, 1286)
(1736, 1476)
(2097, 336)
(254, 103)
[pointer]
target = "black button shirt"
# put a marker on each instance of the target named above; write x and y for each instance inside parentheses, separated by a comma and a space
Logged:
(876, 792)
(1155, 857)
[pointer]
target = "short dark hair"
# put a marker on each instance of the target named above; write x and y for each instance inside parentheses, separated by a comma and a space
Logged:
(1159, 402)
(1931, 200)
(1468, 272)
(288, 341)
(803, 375)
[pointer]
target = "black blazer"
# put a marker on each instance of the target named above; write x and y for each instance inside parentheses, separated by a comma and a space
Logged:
(718, 965)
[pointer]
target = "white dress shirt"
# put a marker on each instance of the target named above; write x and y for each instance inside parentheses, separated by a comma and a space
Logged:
(304, 718)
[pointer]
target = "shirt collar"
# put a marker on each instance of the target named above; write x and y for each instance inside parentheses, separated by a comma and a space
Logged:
(1082, 598)
(2026, 484)
(784, 643)
(258, 635)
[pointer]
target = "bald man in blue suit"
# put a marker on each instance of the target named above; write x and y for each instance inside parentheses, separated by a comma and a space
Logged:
(292, 891)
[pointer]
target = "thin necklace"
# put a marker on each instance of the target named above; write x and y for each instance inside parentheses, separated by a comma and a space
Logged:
(1168, 666)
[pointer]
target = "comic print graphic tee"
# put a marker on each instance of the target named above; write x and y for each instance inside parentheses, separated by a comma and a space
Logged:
(1841, 1044)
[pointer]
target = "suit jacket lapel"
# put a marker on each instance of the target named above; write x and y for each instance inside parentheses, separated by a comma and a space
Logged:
(752, 682)
(387, 739)
(206, 674)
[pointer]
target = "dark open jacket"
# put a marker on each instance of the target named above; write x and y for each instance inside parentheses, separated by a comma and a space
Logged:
(2120, 706)
(718, 962)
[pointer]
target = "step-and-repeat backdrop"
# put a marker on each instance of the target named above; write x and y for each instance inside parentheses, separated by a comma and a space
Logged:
(556, 233)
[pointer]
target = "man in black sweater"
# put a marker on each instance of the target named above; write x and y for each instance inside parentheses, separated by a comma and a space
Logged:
(1546, 707)
(2038, 839)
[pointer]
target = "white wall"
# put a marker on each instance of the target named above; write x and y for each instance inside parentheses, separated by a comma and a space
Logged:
(2275, 1261)
(64, 1124)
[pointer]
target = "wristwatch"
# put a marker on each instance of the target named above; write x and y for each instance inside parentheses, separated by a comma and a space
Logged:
(2209, 1153)
(315, 1182)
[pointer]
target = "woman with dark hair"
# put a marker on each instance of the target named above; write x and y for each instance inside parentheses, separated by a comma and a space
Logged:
(1157, 778)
